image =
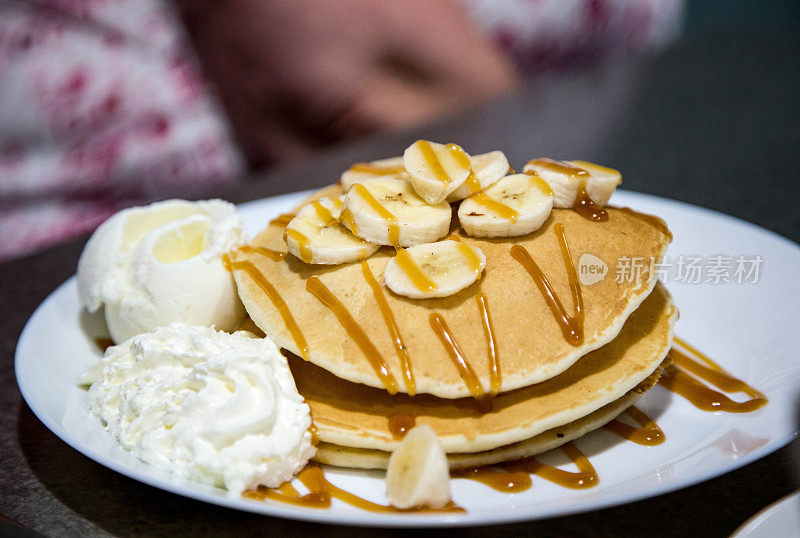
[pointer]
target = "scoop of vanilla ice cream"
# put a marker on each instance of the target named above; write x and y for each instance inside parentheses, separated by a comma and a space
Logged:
(161, 264)
(218, 408)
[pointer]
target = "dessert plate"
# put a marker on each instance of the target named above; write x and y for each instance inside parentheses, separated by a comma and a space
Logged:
(781, 518)
(738, 307)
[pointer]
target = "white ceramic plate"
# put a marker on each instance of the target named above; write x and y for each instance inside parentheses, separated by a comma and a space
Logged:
(781, 518)
(750, 328)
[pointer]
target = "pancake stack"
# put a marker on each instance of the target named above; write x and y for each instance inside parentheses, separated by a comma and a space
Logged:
(506, 368)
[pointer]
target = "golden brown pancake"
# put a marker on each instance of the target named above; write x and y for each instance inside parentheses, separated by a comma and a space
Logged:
(364, 458)
(530, 343)
(355, 415)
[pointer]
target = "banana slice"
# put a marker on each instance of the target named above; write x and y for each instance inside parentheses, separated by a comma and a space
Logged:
(487, 168)
(418, 474)
(566, 178)
(516, 205)
(434, 269)
(392, 167)
(436, 170)
(388, 212)
(315, 235)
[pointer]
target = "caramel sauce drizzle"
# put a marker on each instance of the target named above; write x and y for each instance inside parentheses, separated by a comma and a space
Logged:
(322, 212)
(103, 343)
(282, 220)
(439, 326)
(514, 476)
(321, 491)
(497, 479)
(433, 161)
(682, 378)
(586, 477)
(391, 220)
(314, 431)
(495, 378)
(394, 330)
(571, 326)
(275, 298)
(584, 205)
(493, 205)
(302, 244)
(346, 216)
(655, 221)
(273, 255)
(559, 167)
(315, 286)
(420, 280)
(648, 434)
(376, 169)
(401, 424)
(503, 210)
(471, 256)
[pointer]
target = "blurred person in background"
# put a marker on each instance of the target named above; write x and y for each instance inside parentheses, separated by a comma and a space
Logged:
(110, 103)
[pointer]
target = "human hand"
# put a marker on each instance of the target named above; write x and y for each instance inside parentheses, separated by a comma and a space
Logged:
(295, 75)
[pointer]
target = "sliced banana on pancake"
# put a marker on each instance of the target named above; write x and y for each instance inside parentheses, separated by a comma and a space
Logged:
(487, 168)
(436, 170)
(434, 269)
(387, 211)
(567, 177)
(516, 205)
(418, 471)
(315, 235)
(391, 168)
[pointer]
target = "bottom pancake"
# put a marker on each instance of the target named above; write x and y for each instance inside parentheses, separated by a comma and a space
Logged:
(357, 416)
(362, 458)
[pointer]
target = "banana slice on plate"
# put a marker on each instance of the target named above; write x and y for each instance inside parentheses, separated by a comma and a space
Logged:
(315, 235)
(516, 205)
(391, 167)
(418, 474)
(434, 270)
(436, 170)
(566, 178)
(487, 168)
(387, 211)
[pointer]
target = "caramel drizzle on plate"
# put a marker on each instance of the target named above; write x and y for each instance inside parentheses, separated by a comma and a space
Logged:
(648, 434)
(321, 492)
(571, 325)
(440, 328)
(394, 330)
(514, 476)
(315, 286)
(685, 375)
(400, 424)
(275, 298)
(586, 477)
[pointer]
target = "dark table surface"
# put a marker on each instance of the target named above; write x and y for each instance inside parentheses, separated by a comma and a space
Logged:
(712, 121)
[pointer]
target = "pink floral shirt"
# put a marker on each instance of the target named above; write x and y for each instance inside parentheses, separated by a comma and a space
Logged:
(102, 104)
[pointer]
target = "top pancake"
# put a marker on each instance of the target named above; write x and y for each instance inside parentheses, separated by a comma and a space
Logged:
(531, 347)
